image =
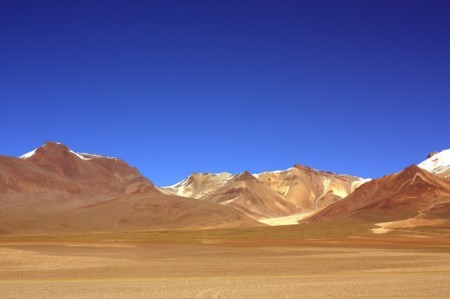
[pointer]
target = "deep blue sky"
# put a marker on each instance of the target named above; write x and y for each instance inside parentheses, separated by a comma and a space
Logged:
(174, 87)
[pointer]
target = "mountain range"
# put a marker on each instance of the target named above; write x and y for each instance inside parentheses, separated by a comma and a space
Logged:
(298, 190)
(53, 190)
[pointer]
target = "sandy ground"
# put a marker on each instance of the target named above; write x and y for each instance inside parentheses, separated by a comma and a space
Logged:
(410, 223)
(286, 220)
(143, 270)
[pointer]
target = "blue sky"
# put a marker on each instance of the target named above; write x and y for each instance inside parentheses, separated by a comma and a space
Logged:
(175, 87)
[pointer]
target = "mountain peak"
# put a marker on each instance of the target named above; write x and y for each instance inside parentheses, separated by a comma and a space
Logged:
(54, 143)
(245, 175)
(437, 163)
(93, 172)
(48, 146)
(303, 167)
(410, 174)
(412, 169)
(53, 149)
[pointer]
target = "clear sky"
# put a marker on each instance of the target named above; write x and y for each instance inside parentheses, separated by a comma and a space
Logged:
(175, 87)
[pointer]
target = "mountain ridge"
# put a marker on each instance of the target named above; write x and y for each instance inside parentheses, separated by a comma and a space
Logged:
(54, 189)
(401, 198)
(302, 189)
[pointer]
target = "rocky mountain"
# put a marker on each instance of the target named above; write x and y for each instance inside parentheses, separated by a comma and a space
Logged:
(310, 189)
(251, 197)
(87, 172)
(410, 198)
(297, 190)
(54, 190)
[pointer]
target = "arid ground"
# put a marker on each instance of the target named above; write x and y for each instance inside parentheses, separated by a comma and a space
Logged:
(208, 265)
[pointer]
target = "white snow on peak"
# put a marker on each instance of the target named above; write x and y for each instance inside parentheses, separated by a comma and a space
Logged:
(177, 185)
(78, 155)
(257, 175)
(221, 176)
(86, 156)
(438, 163)
(28, 155)
(198, 184)
(83, 156)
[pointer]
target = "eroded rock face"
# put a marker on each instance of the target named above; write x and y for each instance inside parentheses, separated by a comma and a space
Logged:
(303, 189)
(250, 196)
(299, 189)
(307, 188)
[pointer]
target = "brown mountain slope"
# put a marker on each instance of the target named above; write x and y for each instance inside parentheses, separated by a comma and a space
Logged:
(54, 189)
(297, 191)
(251, 197)
(138, 212)
(23, 179)
(96, 173)
(409, 194)
(310, 189)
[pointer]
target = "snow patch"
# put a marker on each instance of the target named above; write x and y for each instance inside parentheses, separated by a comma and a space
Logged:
(437, 164)
(199, 184)
(28, 155)
(222, 176)
(78, 155)
(86, 156)
(177, 185)
(83, 156)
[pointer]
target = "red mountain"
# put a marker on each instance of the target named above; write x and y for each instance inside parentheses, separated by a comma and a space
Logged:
(53, 189)
(410, 197)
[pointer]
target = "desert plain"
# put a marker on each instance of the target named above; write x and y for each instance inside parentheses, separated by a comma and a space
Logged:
(87, 226)
(227, 263)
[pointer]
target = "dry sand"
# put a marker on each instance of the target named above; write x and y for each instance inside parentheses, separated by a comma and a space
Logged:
(145, 270)
(286, 220)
